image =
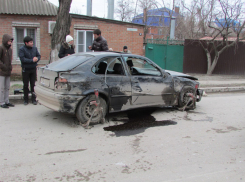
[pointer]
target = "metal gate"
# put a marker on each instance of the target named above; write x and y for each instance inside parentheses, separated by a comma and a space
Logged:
(168, 54)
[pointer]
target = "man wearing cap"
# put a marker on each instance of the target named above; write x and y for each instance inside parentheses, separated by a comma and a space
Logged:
(5, 70)
(125, 49)
(29, 56)
(67, 48)
(99, 43)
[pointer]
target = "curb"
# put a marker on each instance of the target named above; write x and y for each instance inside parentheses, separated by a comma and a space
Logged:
(18, 97)
(223, 89)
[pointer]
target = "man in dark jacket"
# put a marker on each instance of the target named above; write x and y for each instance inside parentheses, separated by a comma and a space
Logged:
(99, 43)
(29, 56)
(67, 48)
(5, 70)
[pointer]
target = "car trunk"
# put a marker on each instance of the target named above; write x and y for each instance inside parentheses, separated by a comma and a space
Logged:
(46, 77)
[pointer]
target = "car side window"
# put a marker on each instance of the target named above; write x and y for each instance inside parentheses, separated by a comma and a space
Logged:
(100, 66)
(109, 66)
(138, 66)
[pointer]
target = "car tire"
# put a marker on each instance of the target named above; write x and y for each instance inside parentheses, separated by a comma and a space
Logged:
(85, 110)
(183, 98)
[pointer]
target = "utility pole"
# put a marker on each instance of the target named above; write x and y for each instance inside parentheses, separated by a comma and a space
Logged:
(172, 23)
(89, 7)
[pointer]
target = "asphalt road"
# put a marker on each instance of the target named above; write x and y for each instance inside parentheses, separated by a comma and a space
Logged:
(207, 144)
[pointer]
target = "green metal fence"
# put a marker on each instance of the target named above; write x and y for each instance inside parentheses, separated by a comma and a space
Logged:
(168, 54)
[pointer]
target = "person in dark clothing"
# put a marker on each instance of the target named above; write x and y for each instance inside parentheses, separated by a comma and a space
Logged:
(5, 70)
(67, 48)
(99, 43)
(125, 49)
(29, 56)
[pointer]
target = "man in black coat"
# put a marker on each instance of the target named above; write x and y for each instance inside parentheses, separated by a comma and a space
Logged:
(67, 48)
(99, 43)
(29, 56)
(5, 70)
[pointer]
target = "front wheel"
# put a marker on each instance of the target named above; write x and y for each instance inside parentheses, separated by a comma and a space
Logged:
(183, 98)
(85, 110)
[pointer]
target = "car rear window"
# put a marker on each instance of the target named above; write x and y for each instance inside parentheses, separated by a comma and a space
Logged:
(69, 62)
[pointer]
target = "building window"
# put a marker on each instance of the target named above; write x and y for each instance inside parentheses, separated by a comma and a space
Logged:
(84, 39)
(21, 33)
(22, 29)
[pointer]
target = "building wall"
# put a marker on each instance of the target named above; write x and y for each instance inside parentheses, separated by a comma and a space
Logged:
(7, 27)
(116, 34)
(153, 33)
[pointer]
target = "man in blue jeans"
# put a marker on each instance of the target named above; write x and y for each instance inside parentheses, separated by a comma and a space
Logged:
(29, 56)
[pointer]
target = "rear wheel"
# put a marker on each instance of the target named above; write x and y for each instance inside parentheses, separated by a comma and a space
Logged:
(183, 98)
(85, 110)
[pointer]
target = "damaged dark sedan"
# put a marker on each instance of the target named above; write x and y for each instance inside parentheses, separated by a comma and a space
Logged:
(124, 82)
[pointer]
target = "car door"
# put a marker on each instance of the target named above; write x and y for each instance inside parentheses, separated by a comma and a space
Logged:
(119, 84)
(150, 85)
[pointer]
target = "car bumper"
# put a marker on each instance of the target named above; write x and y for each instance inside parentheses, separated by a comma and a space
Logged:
(199, 95)
(57, 101)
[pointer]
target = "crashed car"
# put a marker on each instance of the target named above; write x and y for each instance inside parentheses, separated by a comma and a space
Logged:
(124, 82)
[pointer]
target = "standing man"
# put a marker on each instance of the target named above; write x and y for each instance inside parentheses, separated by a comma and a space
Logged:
(99, 43)
(29, 56)
(5, 70)
(125, 49)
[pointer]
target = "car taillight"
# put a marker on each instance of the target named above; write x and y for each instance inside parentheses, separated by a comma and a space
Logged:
(196, 86)
(61, 84)
(62, 80)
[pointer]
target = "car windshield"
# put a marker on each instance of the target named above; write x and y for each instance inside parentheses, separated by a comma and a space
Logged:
(69, 62)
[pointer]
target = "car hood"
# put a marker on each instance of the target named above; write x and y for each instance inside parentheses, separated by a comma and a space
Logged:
(178, 74)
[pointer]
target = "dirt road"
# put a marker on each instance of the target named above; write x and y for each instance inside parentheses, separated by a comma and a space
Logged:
(207, 144)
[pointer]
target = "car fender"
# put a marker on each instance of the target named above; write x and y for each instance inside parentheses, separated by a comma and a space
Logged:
(180, 82)
(101, 92)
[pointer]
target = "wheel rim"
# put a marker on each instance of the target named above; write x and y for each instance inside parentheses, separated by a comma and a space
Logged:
(186, 98)
(89, 110)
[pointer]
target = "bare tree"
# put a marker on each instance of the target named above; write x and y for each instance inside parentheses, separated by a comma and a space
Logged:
(124, 10)
(196, 17)
(61, 29)
(222, 26)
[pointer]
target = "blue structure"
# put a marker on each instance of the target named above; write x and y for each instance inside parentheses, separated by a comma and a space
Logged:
(227, 23)
(156, 17)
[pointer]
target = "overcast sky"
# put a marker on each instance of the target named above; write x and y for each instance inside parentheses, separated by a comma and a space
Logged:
(80, 7)
(99, 7)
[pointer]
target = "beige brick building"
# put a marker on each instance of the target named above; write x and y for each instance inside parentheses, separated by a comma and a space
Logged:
(36, 17)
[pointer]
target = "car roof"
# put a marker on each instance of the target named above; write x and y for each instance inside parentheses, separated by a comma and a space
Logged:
(104, 53)
(101, 53)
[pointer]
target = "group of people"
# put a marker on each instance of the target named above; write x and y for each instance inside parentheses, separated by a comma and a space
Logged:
(29, 57)
(99, 44)
(68, 47)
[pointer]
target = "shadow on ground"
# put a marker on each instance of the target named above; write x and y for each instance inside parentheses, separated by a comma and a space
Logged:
(138, 121)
